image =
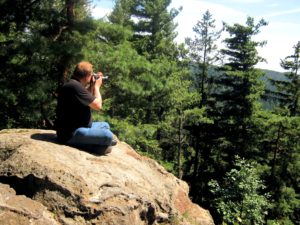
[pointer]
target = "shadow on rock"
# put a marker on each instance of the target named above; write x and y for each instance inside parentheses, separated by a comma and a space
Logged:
(49, 137)
(92, 149)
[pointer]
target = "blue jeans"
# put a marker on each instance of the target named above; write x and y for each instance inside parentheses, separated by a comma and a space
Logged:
(98, 134)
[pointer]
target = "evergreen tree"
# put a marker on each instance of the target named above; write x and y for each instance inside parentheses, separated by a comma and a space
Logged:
(39, 41)
(154, 33)
(281, 143)
(121, 13)
(153, 38)
(203, 53)
(238, 89)
(175, 137)
(232, 109)
(288, 90)
(279, 159)
(154, 29)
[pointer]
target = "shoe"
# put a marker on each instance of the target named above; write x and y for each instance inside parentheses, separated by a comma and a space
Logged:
(107, 150)
(113, 142)
(102, 150)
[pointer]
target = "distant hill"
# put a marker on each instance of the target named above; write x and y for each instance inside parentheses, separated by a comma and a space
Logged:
(274, 74)
(271, 74)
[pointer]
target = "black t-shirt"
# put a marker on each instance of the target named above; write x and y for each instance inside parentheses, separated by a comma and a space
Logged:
(72, 109)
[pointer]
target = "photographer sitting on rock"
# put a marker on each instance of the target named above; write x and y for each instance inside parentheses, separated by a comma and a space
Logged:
(76, 98)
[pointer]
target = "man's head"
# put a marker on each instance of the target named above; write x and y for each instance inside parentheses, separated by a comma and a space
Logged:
(83, 70)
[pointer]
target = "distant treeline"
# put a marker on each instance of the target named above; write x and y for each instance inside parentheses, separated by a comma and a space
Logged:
(194, 107)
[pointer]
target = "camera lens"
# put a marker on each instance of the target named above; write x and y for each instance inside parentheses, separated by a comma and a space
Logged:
(95, 76)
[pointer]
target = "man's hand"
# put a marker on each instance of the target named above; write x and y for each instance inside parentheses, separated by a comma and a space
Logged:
(98, 82)
(95, 89)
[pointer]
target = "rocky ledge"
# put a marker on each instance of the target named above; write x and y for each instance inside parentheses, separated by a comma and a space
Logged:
(43, 182)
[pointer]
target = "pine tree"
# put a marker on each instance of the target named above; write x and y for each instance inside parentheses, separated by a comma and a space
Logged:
(239, 88)
(175, 138)
(288, 90)
(153, 38)
(281, 142)
(232, 108)
(277, 133)
(40, 40)
(203, 55)
(204, 52)
(279, 158)
(154, 29)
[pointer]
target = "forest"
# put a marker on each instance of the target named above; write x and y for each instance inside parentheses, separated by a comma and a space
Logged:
(207, 114)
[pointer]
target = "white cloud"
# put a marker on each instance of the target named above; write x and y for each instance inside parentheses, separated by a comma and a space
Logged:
(100, 12)
(282, 13)
(273, 5)
(243, 1)
(281, 37)
(193, 11)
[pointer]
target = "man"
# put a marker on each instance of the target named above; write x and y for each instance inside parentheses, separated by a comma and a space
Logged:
(76, 98)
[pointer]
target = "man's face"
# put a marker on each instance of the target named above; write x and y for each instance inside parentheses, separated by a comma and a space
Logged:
(89, 77)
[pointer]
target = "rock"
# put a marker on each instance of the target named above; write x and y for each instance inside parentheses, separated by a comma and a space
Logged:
(19, 210)
(79, 187)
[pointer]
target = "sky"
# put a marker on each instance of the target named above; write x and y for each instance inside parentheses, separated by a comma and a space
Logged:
(281, 33)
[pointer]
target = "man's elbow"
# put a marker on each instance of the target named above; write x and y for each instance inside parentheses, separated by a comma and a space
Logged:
(96, 105)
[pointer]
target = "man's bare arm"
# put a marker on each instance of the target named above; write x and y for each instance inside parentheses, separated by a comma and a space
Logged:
(95, 89)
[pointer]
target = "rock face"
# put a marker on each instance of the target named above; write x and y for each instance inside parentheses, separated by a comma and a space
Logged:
(57, 184)
(20, 210)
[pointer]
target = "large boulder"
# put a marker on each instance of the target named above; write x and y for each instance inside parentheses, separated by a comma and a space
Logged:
(20, 210)
(64, 185)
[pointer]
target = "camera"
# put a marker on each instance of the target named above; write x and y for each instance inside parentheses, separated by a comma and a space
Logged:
(97, 77)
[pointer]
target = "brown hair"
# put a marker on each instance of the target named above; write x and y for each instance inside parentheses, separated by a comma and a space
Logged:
(83, 69)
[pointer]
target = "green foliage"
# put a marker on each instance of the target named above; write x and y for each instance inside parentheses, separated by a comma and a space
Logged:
(239, 197)
(141, 137)
(203, 53)
(239, 88)
(287, 91)
(39, 41)
(241, 52)
(157, 88)
(288, 201)
(279, 151)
